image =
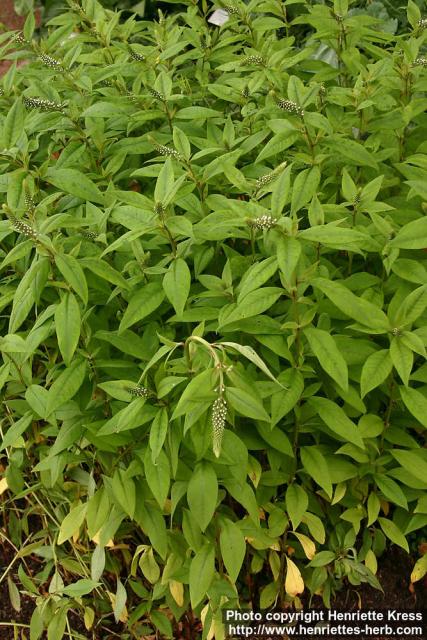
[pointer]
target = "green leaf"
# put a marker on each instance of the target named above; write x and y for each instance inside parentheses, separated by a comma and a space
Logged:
(326, 351)
(164, 182)
(252, 355)
(233, 548)
(181, 143)
(157, 475)
(67, 325)
(202, 569)
(202, 493)
(176, 284)
(376, 369)
(124, 492)
(373, 508)
(73, 274)
(392, 532)
(76, 183)
(119, 601)
(256, 276)
(288, 255)
(402, 358)
(14, 124)
(364, 312)
(80, 588)
(416, 403)
(66, 385)
(316, 466)
(281, 193)
(333, 235)
(412, 461)
(337, 420)
(246, 404)
(304, 188)
(158, 431)
(413, 306)
(253, 304)
(391, 490)
(411, 236)
(72, 523)
(105, 271)
(146, 300)
(17, 429)
(296, 503)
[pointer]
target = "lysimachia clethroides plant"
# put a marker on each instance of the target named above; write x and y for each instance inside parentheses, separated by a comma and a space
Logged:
(213, 293)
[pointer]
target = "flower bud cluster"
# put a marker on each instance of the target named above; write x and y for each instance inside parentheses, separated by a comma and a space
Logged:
(136, 56)
(156, 94)
(232, 11)
(263, 181)
(159, 209)
(29, 202)
(89, 235)
(422, 23)
(291, 107)
(167, 151)
(254, 60)
(24, 228)
(263, 222)
(219, 414)
(420, 62)
(19, 39)
(139, 392)
(245, 92)
(50, 62)
(43, 105)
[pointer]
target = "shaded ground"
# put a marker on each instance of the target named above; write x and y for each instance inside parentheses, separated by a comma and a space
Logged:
(10, 20)
(394, 571)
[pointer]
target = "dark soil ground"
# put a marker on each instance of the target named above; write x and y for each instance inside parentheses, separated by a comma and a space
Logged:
(11, 21)
(393, 573)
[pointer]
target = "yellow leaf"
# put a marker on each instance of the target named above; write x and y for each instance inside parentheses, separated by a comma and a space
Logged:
(371, 561)
(95, 539)
(177, 592)
(3, 485)
(294, 584)
(307, 544)
(420, 569)
(89, 618)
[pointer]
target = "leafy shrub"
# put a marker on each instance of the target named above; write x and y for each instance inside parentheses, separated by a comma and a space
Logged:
(213, 289)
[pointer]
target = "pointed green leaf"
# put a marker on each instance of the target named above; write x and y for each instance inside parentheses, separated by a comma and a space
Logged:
(316, 466)
(202, 569)
(376, 369)
(67, 325)
(66, 385)
(337, 420)
(176, 284)
(326, 351)
(202, 493)
(296, 503)
(394, 534)
(141, 304)
(75, 183)
(233, 548)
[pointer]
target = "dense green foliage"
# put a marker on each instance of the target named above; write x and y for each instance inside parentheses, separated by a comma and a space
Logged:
(213, 293)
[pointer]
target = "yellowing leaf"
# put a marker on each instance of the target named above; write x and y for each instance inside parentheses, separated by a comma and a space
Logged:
(3, 485)
(177, 592)
(294, 584)
(420, 569)
(307, 544)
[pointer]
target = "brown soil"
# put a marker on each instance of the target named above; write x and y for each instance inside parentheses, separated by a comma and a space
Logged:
(393, 574)
(11, 21)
